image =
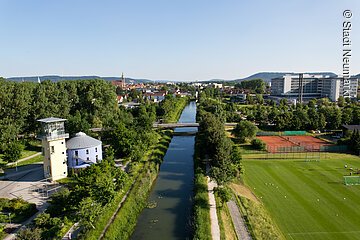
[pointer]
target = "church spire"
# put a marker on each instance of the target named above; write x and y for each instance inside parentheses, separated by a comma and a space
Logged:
(122, 80)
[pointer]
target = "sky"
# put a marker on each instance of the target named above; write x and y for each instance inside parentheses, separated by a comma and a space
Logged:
(175, 39)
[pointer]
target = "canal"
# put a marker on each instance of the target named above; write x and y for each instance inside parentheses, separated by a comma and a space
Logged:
(171, 196)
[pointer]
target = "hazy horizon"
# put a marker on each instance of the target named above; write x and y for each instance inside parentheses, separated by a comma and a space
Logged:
(177, 40)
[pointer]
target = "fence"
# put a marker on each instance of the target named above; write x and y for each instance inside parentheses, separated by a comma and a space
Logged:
(261, 133)
(285, 133)
(334, 148)
(294, 133)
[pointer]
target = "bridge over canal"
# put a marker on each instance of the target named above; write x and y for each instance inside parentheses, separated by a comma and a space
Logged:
(183, 125)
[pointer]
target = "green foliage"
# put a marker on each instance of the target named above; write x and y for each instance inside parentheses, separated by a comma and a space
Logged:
(87, 103)
(213, 144)
(13, 151)
(261, 224)
(258, 144)
(201, 208)
(88, 211)
(354, 141)
(170, 108)
(19, 209)
(48, 226)
(302, 116)
(29, 234)
(125, 221)
(224, 194)
(255, 85)
(245, 130)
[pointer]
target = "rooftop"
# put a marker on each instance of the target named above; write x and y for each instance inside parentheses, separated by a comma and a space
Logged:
(51, 119)
(81, 140)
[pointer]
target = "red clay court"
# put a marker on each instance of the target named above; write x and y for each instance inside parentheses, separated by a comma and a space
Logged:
(292, 143)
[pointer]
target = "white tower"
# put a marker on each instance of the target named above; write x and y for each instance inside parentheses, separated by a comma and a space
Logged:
(54, 148)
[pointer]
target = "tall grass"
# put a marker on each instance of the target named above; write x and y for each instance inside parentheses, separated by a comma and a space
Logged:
(258, 220)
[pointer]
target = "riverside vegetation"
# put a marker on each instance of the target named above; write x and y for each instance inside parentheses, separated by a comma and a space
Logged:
(91, 196)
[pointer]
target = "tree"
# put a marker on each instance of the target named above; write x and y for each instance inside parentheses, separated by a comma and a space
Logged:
(355, 141)
(77, 123)
(245, 130)
(13, 151)
(341, 101)
(255, 85)
(88, 211)
(259, 99)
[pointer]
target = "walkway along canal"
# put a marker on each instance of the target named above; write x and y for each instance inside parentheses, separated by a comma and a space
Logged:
(170, 202)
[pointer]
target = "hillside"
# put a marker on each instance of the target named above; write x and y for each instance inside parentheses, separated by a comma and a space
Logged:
(55, 78)
(267, 76)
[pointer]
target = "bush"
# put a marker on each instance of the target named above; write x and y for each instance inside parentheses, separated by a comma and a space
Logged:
(223, 193)
(20, 209)
(29, 234)
(258, 144)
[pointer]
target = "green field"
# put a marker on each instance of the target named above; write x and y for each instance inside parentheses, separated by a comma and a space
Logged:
(308, 200)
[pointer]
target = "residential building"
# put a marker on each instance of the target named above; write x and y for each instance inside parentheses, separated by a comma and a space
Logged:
(83, 150)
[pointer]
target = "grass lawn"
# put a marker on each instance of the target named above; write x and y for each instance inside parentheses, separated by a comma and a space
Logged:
(308, 200)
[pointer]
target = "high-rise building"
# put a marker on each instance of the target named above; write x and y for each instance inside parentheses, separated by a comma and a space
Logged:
(54, 148)
(313, 86)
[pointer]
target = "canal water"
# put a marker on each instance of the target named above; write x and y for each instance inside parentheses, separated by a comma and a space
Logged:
(173, 189)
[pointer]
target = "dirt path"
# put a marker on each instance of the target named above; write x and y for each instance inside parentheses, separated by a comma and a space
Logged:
(239, 224)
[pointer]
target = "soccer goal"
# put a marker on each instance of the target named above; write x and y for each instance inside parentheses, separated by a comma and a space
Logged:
(352, 180)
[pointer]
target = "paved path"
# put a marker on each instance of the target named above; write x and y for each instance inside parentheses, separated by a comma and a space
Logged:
(72, 233)
(23, 159)
(215, 229)
(238, 221)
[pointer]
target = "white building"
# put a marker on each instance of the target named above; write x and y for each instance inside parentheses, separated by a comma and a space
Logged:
(83, 150)
(54, 148)
(313, 86)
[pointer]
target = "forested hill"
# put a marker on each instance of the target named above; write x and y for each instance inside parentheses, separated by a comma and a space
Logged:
(267, 76)
(55, 78)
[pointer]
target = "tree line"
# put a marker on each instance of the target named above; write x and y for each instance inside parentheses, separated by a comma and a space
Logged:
(214, 145)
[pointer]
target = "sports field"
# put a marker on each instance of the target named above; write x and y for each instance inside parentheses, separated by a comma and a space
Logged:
(308, 200)
(281, 143)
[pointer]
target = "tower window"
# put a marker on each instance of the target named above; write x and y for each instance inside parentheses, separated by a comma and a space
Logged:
(76, 153)
(95, 149)
(52, 149)
(87, 151)
(87, 158)
(77, 162)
